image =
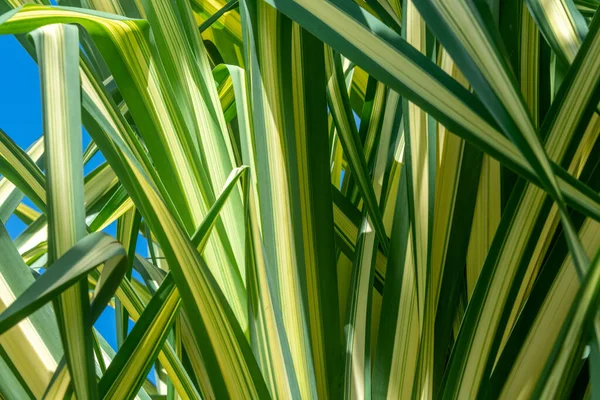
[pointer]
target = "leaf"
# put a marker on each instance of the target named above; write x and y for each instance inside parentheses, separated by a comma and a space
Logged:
(346, 128)
(357, 369)
(57, 49)
(34, 345)
(131, 364)
(554, 380)
(10, 196)
(521, 365)
(561, 24)
(286, 147)
(69, 269)
(21, 170)
(128, 227)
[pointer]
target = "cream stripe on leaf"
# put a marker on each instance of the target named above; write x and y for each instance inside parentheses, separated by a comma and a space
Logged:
(314, 216)
(394, 170)
(101, 116)
(98, 186)
(229, 355)
(133, 304)
(57, 48)
(358, 87)
(143, 84)
(487, 212)
(205, 140)
(26, 214)
(12, 385)
(529, 75)
(225, 32)
(373, 115)
(471, 39)
(91, 251)
(210, 7)
(490, 186)
(167, 357)
(396, 357)
(457, 179)
(268, 338)
(107, 353)
(275, 264)
(127, 233)
(544, 241)
(347, 218)
(66, 272)
(371, 118)
(99, 183)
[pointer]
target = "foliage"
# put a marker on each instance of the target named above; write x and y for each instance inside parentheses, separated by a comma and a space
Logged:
(369, 199)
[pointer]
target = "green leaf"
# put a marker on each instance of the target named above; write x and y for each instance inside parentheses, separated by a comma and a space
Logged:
(557, 378)
(128, 226)
(34, 346)
(357, 371)
(561, 24)
(66, 271)
(57, 49)
(21, 170)
(131, 364)
(10, 196)
(348, 134)
(285, 144)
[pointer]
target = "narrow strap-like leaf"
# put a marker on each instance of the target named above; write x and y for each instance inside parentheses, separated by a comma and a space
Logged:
(21, 170)
(69, 269)
(342, 115)
(10, 196)
(231, 4)
(132, 362)
(556, 379)
(57, 49)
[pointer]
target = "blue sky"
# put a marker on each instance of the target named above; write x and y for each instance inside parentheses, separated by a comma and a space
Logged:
(21, 119)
